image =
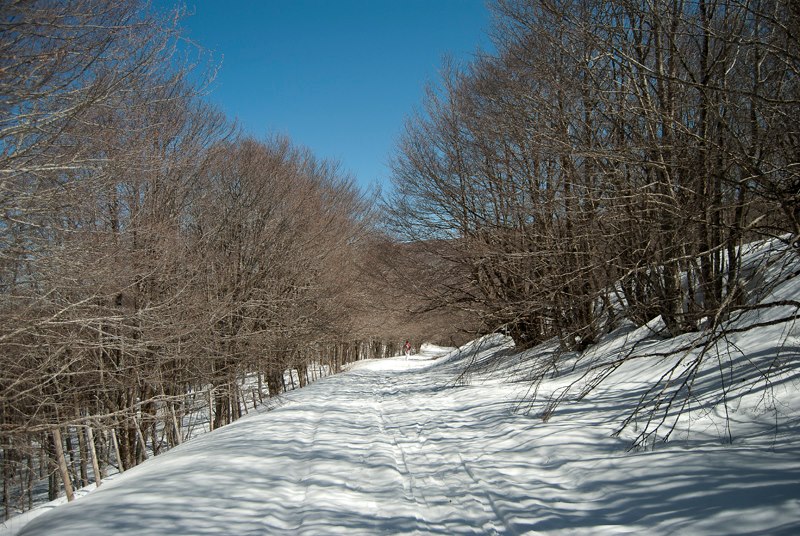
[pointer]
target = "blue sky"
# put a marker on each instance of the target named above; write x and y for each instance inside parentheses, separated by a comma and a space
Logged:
(337, 76)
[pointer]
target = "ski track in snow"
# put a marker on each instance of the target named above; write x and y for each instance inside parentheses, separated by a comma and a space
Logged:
(433, 481)
(394, 447)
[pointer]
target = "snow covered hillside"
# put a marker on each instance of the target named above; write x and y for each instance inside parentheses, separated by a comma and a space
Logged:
(419, 446)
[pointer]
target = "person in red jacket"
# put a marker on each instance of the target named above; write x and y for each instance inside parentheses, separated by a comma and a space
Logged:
(407, 347)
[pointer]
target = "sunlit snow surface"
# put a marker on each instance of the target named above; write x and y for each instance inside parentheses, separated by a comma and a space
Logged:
(408, 446)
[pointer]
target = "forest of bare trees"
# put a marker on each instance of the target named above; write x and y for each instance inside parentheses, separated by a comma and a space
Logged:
(607, 163)
(152, 258)
(610, 151)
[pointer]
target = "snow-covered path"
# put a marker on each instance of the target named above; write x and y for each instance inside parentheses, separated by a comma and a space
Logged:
(381, 449)
(395, 447)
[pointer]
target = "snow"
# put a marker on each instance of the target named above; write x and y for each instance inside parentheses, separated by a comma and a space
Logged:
(419, 446)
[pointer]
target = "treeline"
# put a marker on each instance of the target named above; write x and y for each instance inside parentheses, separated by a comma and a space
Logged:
(151, 257)
(609, 153)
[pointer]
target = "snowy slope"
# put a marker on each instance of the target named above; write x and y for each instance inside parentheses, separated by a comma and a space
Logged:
(414, 446)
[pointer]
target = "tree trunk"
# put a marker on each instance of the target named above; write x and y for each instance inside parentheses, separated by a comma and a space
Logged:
(84, 456)
(93, 450)
(211, 410)
(115, 442)
(61, 461)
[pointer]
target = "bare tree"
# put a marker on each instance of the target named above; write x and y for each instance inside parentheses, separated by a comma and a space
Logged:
(610, 161)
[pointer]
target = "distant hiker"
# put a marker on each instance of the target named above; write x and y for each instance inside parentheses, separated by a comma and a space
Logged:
(407, 347)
